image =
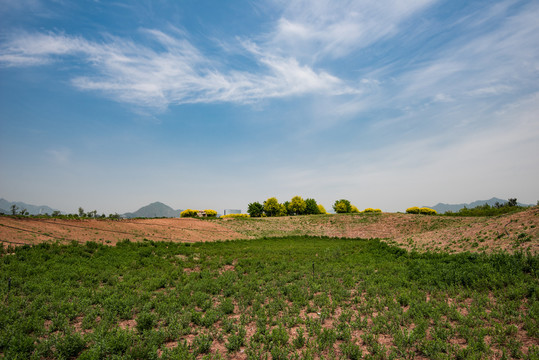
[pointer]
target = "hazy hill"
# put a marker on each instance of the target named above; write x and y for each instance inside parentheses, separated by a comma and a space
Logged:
(442, 208)
(154, 210)
(5, 207)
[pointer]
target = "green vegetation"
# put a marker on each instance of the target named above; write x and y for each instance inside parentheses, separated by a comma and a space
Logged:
(282, 298)
(342, 206)
(372, 211)
(296, 206)
(236, 216)
(197, 213)
(487, 210)
(423, 210)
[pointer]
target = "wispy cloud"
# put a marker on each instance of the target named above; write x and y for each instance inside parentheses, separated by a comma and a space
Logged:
(59, 156)
(179, 73)
(321, 28)
(485, 64)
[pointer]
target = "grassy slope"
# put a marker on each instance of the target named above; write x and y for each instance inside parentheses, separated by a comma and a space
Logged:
(511, 232)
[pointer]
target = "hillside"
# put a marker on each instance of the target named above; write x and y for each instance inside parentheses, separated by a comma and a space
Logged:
(5, 207)
(519, 231)
(415, 232)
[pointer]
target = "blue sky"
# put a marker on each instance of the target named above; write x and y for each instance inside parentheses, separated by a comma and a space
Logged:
(111, 105)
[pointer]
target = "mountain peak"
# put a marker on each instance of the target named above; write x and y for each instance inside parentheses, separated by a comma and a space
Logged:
(154, 210)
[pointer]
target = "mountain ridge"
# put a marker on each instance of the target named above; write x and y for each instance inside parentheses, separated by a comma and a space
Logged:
(442, 207)
(5, 207)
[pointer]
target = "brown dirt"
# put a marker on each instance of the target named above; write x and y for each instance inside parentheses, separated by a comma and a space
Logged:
(19, 231)
(519, 231)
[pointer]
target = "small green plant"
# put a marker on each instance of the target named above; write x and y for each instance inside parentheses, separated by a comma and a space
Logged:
(236, 341)
(145, 321)
(299, 340)
(202, 344)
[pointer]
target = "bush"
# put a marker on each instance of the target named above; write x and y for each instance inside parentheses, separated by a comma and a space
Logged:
(145, 321)
(354, 209)
(210, 213)
(423, 210)
(236, 216)
(413, 210)
(371, 210)
(321, 209)
(189, 213)
(427, 211)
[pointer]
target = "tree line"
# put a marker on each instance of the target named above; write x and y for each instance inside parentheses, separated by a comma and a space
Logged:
(296, 206)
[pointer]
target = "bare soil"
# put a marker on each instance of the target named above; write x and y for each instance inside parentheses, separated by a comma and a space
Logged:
(513, 232)
(20, 231)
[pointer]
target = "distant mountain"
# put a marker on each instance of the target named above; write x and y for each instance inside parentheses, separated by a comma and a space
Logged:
(442, 208)
(154, 210)
(5, 207)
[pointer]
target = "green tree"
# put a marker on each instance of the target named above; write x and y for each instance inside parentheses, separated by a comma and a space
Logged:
(255, 209)
(81, 212)
(512, 202)
(311, 207)
(14, 209)
(272, 207)
(297, 205)
(342, 206)
(286, 204)
(283, 211)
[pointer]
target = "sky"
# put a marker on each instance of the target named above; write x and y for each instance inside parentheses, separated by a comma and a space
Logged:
(112, 105)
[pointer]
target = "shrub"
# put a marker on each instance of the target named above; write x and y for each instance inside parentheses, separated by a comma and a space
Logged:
(236, 216)
(413, 210)
(70, 346)
(321, 209)
(210, 213)
(354, 209)
(189, 213)
(202, 344)
(145, 321)
(371, 210)
(427, 211)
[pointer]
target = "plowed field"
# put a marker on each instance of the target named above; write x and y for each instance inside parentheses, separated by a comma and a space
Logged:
(513, 232)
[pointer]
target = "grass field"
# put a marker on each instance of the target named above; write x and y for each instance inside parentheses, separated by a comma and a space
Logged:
(279, 298)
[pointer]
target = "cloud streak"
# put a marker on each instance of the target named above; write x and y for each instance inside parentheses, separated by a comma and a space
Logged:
(323, 29)
(178, 74)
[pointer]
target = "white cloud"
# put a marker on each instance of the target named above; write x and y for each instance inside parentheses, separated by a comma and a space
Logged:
(322, 28)
(180, 73)
(492, 63)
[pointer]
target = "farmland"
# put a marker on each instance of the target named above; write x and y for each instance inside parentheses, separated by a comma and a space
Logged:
(288, 290)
